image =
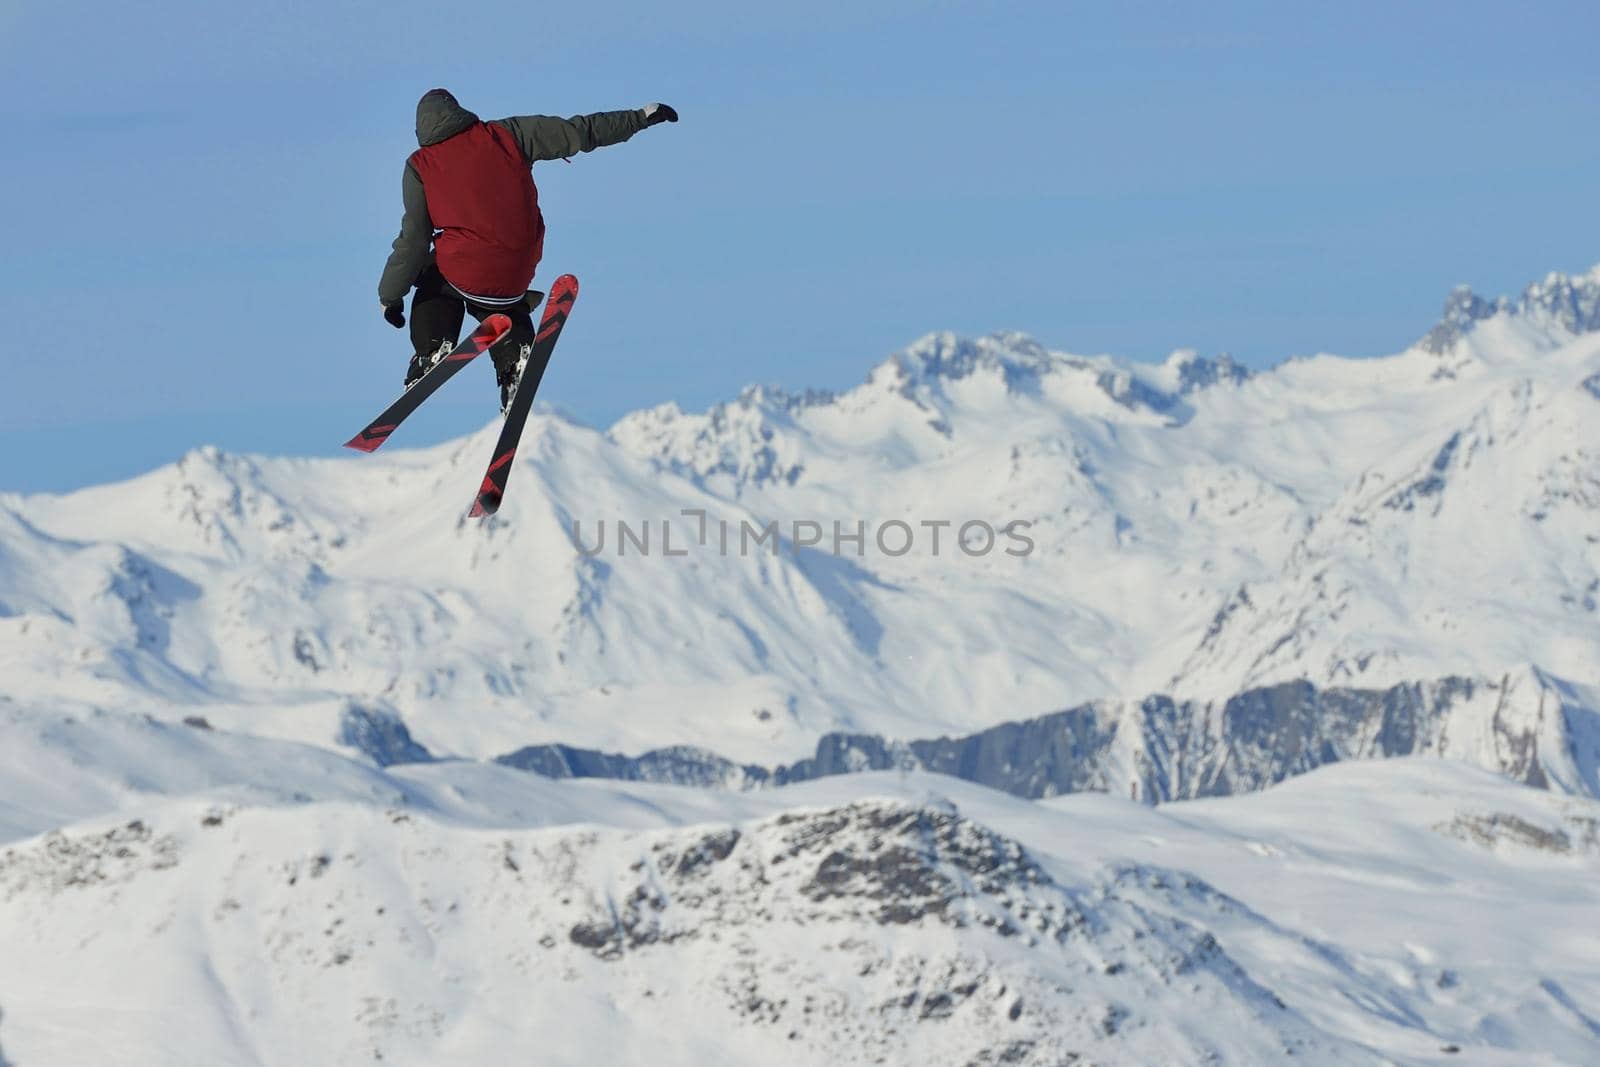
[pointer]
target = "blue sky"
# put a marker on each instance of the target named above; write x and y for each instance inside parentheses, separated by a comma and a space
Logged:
(199, 196)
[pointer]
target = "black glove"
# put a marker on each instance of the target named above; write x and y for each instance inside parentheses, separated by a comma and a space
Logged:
(395, 315)
(654, 113)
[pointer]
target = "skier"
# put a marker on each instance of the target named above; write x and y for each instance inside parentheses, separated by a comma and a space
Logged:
(472, 233)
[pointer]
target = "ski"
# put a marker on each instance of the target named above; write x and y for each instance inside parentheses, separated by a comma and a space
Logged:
(562, 295)
(490, 331)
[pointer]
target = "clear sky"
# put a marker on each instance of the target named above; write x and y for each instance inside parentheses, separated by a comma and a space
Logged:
(199, 196)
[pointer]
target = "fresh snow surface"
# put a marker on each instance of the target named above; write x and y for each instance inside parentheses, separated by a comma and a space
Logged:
(1197, 531)
(202, 898)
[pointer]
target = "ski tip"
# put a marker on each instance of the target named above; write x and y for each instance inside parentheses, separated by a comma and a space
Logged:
(493, 328)
(486, 504)
(370, 439)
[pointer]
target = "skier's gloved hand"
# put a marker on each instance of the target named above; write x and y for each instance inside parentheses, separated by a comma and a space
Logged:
(395, 315)
(654, 113)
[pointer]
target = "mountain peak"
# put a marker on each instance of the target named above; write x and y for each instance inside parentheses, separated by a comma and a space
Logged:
(1558, 301)
(941, 358)
(1193, 371)
(944, 357)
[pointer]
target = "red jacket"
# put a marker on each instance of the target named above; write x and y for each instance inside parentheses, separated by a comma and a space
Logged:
(485, 207)
(470, 203)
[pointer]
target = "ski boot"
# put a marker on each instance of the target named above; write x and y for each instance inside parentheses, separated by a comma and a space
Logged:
(422, 363)
(508, 372)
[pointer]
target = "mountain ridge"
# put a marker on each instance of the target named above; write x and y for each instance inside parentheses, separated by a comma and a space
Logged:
(437, 912)
(1197, 531)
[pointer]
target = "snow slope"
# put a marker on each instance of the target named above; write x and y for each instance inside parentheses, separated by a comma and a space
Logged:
(304, 908)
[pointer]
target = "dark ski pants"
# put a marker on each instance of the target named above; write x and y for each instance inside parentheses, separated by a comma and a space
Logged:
(438, 309)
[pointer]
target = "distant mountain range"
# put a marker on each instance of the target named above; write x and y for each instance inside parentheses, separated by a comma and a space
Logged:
(983, 532)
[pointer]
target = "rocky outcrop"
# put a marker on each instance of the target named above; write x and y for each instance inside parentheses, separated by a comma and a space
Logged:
(1571, 303)
(381, 735)
(1162, 749)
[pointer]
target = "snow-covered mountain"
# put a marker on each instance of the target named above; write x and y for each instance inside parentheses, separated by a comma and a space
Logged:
(193, 896)
(1037, 531)
(265, 726)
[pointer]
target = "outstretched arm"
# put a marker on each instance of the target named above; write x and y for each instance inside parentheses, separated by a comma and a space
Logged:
(543, 137)
(413, 248)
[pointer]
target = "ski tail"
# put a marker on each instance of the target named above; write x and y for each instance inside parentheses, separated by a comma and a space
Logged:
(556, 309)
(486, 336)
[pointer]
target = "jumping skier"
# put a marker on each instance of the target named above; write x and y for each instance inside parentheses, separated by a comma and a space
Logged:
(472, 234)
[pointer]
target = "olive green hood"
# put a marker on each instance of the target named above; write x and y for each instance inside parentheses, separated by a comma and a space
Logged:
(440, 117)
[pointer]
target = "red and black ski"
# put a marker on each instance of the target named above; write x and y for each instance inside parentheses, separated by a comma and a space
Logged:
(559, 304)
(491, 330)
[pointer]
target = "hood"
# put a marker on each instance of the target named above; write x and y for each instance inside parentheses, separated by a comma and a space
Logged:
(440, 117)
